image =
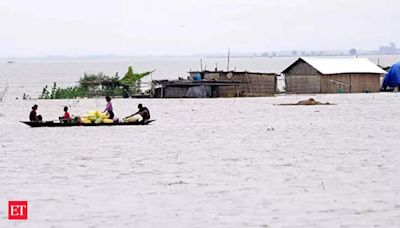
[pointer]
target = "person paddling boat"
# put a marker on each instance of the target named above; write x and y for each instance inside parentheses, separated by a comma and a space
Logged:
(143, 115)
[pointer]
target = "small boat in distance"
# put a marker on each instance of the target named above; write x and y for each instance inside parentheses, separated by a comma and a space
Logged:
(10, 61)
(60, 124)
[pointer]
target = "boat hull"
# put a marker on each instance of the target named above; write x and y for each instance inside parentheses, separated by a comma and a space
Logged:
(58, 124)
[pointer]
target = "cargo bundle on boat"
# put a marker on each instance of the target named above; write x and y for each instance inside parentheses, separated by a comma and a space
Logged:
(332, 75)
(202, 84)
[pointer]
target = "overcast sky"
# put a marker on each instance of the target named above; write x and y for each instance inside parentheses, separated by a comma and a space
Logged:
(176, 27)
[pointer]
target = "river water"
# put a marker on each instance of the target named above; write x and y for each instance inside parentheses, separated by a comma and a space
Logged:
(206, 163)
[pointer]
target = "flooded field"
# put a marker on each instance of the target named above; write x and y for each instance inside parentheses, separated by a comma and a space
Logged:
(207, 163)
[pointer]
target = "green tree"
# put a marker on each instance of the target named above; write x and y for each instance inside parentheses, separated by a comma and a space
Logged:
(45, 93)
(133, 80)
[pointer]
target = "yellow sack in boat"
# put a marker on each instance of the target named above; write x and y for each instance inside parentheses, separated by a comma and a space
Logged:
(98, 121)
(86, 121)
(108, 121)
(104, 116)
(91, 113)
(98, 114)
(91, 116)
(94, 115)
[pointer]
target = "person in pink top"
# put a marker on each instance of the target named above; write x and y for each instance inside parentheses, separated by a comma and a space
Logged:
(109, 108)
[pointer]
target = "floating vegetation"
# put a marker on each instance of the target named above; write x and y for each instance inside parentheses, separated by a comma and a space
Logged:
(95, 85)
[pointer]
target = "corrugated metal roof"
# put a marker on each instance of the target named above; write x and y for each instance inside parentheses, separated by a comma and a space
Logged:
(343, 65)
(234, 72)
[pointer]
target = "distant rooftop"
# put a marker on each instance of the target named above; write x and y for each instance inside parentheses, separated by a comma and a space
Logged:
(233, 72)
(341, 65)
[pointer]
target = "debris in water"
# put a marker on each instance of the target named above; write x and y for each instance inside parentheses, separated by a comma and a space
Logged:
(309, 101)
(178, 182)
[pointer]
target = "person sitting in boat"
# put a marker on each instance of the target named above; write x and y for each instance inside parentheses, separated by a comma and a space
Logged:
(144, 112)
(143, 115)
(33, 115)
(66, 118)
(109, 108)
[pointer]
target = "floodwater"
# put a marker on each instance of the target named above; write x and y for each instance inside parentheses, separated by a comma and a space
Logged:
(207, 163)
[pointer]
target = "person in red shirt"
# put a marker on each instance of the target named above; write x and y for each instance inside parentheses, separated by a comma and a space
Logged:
(67, 117)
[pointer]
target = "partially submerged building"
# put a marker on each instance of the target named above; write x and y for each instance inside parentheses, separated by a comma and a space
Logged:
(218, 84)
(332, 75)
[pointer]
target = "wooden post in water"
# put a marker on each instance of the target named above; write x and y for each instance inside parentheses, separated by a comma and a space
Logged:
(229, 55)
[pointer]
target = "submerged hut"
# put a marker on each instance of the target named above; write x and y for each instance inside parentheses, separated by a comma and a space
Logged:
(218, 84)
(332, 75)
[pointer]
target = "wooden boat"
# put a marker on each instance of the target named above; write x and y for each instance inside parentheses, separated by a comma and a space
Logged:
(60, 124)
